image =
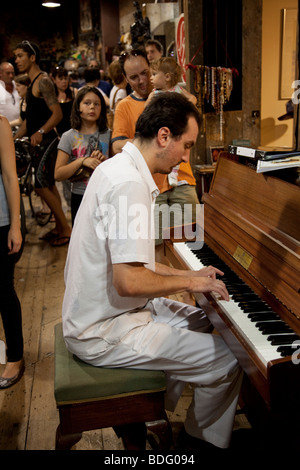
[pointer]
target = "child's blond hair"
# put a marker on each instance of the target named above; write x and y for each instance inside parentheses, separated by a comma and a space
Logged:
(170, 66)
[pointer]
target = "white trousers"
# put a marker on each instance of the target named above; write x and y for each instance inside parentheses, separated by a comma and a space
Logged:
(177, 341)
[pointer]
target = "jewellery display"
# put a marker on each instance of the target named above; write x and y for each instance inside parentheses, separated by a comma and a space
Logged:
(213, 85)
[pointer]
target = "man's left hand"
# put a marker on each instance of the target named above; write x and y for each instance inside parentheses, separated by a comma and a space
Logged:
(36, 139)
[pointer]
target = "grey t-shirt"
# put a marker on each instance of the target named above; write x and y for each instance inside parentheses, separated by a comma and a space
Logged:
(4, 212)
(78, 145)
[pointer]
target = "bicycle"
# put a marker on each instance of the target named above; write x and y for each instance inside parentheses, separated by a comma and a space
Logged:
(26, 177)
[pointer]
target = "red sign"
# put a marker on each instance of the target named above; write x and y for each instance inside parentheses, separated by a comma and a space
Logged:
(180, 45)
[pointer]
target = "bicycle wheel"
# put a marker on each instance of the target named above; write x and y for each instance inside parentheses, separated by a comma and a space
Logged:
(35, 201)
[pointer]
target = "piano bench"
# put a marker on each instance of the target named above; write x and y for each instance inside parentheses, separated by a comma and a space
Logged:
(88, 397)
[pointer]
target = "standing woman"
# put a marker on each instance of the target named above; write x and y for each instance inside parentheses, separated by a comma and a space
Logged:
(118, 91)
(10, 244)
(22, 83)
(65, 95)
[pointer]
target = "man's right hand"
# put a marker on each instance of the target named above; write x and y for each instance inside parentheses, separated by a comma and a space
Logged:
(208, 284)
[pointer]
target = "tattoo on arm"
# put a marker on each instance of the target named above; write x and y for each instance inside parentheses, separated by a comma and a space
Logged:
(47, 90)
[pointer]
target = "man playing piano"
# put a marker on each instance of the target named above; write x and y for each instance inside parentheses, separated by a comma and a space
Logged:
(115, 312)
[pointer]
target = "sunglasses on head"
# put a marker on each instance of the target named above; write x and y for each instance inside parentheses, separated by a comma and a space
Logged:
(134, 53)
(27, 43)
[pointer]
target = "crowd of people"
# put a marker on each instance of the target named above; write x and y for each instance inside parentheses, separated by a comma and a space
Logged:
(123, 317)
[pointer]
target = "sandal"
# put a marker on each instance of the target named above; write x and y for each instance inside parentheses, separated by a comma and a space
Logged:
(42, 214)
(48, 236)
(60, 241)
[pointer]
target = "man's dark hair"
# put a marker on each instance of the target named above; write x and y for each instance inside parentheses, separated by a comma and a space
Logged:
(90, 75)
(168, 109)
(31, 49)
(133, 53)
(75, 113)
(155, 43)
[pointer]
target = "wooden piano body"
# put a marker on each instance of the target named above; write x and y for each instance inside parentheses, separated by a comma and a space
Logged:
(252, 222)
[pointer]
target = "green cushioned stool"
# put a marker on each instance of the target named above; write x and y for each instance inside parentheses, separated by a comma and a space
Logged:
(90, 397)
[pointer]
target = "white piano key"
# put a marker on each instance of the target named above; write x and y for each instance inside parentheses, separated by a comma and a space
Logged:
(259, 342)
(189, 257)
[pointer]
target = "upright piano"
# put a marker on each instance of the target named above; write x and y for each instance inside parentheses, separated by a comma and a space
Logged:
(252, 233)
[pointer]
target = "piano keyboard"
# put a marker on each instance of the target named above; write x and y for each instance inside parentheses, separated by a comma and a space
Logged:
(265, 332)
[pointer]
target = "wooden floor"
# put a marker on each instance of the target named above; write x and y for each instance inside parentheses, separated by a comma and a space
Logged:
(28, 415)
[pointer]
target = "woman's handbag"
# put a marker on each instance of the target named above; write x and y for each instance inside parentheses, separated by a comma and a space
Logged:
(110, 115)
(82, 173)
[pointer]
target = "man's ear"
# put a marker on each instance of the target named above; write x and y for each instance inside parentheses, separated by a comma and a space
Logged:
(163, 136)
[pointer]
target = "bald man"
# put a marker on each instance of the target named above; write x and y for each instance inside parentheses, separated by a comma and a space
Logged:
(9, 97)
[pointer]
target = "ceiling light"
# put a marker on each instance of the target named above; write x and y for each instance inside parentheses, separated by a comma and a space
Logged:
(51, 4)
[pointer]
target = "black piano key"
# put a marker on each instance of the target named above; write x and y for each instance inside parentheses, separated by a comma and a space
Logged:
(263, 316)
(245, 296)
(273, 327)
(207, 257)
(286, 350)
(237, 288)
(275, 323)
(253, 303)
(282, 339)
(276, 330)
(247, 308)
(230, 280)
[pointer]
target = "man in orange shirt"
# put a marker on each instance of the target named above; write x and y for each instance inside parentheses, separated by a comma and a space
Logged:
(170, 203)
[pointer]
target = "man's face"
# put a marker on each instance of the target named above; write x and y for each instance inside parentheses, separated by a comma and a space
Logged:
(7, 73)
(178, 149)
(22, 60)
(152, 53)
(93, 64)
(138, 75)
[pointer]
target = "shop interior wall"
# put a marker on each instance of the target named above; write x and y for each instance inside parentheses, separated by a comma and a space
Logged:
(110, 27)
(274, 132)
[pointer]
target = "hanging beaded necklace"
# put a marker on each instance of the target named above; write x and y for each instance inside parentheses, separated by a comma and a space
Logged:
(213, 85)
